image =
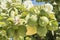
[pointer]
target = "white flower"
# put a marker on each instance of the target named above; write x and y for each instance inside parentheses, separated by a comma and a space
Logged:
(28, 4)
(12, 14)
(3, 5)
(48, 7)
(16, 19)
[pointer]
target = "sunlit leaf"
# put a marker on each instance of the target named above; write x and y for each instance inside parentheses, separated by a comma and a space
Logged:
(53, 25)
(52, 16)
(2, 24)
(1, 18)
(24, 14)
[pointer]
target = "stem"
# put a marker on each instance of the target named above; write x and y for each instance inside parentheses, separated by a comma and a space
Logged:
(52, 32)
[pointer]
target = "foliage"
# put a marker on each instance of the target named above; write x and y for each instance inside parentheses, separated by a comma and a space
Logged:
(16, 20)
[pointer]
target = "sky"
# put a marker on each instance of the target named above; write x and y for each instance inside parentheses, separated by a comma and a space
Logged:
(37, 3)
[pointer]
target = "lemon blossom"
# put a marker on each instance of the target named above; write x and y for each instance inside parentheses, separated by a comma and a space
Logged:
(12, 14)
(48, 7)
(28, 4)
(3, 5)
(16, 19)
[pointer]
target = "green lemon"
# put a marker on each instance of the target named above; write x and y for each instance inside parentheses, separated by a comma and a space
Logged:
(43, 21)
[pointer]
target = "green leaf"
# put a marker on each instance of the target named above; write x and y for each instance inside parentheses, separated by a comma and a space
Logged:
(22, 30)
(24, 14)
(3, 32)
(10, 32)
(16, 10)
(1, 18)
(21, 8)
(15, 27)
(4, 38)
(41, 31)
(10, 19)
(33, 20)
(32, 10)
(18, 37)
(28, 38)
(53, 25)
(52, 16)
(2, 24)
(35, 10)
(8, 5)
(43, 13)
